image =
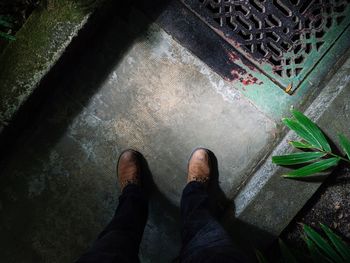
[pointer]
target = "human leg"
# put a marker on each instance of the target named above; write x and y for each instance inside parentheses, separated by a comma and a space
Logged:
(120, 240)
(204, 239)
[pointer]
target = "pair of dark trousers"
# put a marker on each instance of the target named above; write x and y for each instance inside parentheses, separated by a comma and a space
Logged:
(204, 240)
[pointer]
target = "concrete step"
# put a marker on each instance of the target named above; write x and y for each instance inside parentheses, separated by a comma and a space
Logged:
(268, 201)
(40, 44)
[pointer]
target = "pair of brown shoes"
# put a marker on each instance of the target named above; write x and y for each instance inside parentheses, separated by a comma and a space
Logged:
(129, 167)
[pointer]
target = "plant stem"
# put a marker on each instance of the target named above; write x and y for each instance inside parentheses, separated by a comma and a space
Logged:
(342, 158)
(334, 155)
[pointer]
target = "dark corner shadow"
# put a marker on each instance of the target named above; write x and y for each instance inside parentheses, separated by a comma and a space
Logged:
(297, 221)
(86, 63)
(246, 237)
(337, 176)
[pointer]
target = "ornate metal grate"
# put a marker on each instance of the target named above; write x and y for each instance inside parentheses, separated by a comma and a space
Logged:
(284, 39)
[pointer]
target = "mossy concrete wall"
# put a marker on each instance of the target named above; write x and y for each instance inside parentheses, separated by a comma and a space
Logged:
(39, 44)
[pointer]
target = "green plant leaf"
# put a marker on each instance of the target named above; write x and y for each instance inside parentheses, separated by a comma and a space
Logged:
(316, 255)
(322, 244)
(260, 257)
(297, 158)
(287, 255)
(313, 168)
(345, 144)
(312, 129)
(300, 145)
(300, 130)
(7, 36)
(339, 244)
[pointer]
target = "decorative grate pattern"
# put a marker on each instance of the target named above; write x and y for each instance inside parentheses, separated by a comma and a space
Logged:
(285, 39)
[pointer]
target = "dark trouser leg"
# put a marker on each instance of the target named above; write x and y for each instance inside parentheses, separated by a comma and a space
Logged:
(120, 240)
(204, 239)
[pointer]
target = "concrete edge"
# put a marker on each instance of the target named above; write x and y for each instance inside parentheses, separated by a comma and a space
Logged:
(251, 192)
(28, 59)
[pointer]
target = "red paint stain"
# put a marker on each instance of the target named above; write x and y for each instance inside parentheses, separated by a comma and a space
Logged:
(244, 78)
(249, 80)
(232, 56)
(240, 74)
(246, 82)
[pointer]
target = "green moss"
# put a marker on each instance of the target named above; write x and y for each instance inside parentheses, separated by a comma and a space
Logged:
(39, 42)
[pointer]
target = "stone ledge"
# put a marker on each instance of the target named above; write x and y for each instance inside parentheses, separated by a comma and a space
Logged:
(268, 201)
(40, 43)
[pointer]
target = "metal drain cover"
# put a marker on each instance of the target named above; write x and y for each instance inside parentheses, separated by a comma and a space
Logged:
(284, 39)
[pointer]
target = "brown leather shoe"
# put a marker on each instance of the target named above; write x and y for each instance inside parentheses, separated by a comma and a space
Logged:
(129, 168)
(199, 166)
